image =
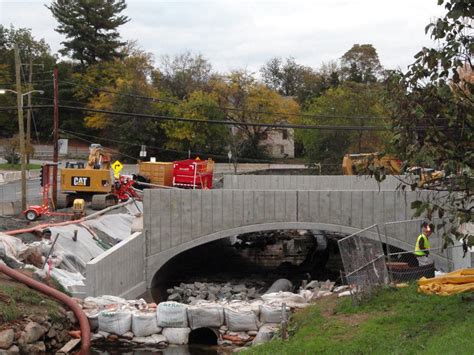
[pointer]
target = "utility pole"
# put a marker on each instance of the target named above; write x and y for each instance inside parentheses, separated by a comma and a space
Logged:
(21, 126)
(55, 137)
(28, 114)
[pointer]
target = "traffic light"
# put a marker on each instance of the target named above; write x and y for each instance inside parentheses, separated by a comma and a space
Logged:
(42, 173)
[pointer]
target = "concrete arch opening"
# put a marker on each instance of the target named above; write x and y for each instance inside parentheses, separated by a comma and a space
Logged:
(203, 336)
(261, 256)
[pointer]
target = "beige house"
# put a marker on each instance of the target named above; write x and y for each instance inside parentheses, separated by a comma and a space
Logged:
(280, 143)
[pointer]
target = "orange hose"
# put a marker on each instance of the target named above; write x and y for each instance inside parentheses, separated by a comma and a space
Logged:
(68, 301)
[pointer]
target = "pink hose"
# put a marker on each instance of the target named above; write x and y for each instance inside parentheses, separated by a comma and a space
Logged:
(68, 301)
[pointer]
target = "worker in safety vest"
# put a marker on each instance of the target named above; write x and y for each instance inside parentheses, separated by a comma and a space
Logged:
(422, 246)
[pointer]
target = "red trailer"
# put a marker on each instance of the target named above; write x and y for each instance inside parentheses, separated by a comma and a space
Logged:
(193, 173)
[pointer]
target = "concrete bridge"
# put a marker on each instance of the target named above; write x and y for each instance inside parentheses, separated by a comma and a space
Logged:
(178, 220)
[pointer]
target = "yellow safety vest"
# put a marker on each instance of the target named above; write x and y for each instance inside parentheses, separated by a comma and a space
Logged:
(426, 242)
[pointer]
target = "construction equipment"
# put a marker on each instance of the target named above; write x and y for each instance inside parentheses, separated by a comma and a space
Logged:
(91, 183)
(193, 173)
(94, 182)
(34, 212)
(354, 164)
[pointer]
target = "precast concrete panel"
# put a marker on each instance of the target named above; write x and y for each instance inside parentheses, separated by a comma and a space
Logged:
(175, 220)
(280, 205)
(269, 209)
(357, 211)
(238, 208)
(196, 213)
(346, 208)
(206, 224)
(259, 208)
(217, 212)
(291, 214)
(227, 208)
(155, 224)
(335, 208)
(314, 206)
(303, 206)
(165, 216)
(325, 199)
(368, 208)
(249, 212)
(186, 215)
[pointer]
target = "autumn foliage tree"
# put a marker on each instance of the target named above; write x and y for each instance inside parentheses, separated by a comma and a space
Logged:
(433, 110)
(245, 100)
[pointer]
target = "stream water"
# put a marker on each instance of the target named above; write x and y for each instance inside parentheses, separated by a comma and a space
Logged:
(193, 349)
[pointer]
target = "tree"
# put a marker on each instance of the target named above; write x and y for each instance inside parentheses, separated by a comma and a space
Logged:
(361, 64)
(125, 88)
(292, 79)
(90, 27)
(433, 110)
(39, 53)
(244, 100)
(199, 138)
(360, 101)
(183, 74)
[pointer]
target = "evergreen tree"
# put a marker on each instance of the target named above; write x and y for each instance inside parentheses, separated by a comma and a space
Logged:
(90, 27)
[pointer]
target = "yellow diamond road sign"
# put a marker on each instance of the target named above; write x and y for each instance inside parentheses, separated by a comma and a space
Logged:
(117, 166)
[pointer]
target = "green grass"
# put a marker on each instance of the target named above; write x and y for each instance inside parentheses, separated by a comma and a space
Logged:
(17, 167)
(395, 321)
(17, 300)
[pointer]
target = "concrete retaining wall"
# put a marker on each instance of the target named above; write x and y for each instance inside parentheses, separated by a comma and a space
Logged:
(308, 182)
(9, 176)
(120, 271)
(12, 208)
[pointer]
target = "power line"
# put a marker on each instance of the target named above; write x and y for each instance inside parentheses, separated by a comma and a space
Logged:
(75, 134)
(260, 112)
(227, 123)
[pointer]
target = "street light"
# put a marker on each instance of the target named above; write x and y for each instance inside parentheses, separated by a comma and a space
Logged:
(21, 129)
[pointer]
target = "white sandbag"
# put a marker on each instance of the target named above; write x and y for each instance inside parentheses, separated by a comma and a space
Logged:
(172, 315)
(177, 336)
(292, 300)
(282, 297)
(93, 317)
(306, 294)
(106, 300)
(144, 324)
(238, 305)
(240, 321)
(272, 314)
(265, 334)
(117, 322)
(205, 316)
(280, 285)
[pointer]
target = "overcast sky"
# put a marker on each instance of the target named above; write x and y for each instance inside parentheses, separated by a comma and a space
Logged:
(245, 34)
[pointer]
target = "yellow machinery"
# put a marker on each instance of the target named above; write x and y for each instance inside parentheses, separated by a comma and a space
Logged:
(92, 183)
(354, 164)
